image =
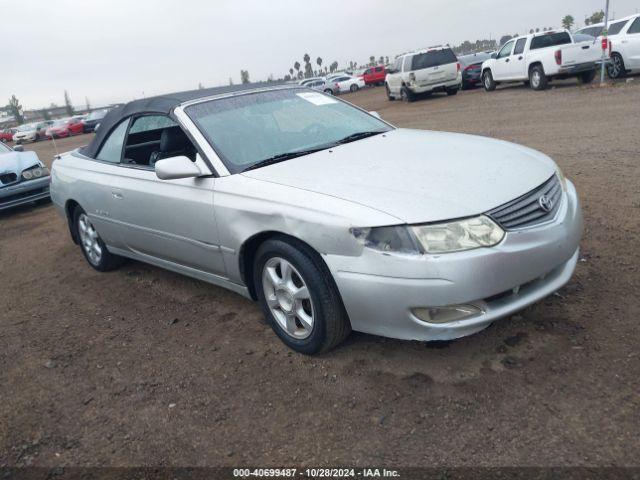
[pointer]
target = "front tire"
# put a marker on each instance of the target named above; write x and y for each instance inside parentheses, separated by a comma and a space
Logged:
(488, 81)
(298, 297)
(92, 246)
(353, 88)
(537, 78)
(452, 91)
(616, 68)
(390, 97)
(329, 91)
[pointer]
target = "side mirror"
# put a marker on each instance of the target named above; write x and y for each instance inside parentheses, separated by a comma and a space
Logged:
(375, 114)
(18, 148)
(176, 167)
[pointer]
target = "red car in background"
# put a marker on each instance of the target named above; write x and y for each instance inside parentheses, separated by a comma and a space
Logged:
(374, 75)
(65, 127)
(7, 135)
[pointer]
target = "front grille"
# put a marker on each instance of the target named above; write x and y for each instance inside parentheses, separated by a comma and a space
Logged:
(7, 178)
(528, 210)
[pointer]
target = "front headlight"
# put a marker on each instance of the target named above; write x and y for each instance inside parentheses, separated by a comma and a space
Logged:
(460, 235)
(35, 172)
(561, 177)
(446, 237)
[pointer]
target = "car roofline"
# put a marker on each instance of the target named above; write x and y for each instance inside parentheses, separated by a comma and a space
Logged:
(239, 93)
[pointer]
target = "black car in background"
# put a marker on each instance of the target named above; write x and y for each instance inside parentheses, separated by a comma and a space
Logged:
(471, 66)
(93, 119)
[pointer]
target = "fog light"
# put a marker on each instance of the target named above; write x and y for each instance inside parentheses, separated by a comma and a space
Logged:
(446, 314)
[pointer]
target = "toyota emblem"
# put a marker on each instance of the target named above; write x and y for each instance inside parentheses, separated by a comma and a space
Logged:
(545, 203)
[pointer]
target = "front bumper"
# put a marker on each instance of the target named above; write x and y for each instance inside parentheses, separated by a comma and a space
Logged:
(379, 290)
(24, 192)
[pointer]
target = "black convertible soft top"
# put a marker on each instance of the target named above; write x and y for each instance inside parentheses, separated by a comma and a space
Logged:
(162, 104)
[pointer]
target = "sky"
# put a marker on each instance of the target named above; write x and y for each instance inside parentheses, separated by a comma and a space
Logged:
(117, 50)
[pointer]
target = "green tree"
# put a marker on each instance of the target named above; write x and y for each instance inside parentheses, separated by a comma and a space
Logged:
(372, 60)
(291, 73)
(244, 76)
(567, 22)
(230, 81)
(319, 62)
(596, 17)
(45, 114)
(67, 103)
(15, 109)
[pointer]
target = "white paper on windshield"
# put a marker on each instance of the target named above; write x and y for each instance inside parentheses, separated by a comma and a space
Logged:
(317, 98)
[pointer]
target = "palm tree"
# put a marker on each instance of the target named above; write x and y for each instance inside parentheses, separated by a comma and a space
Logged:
(319, 62)
(291, 72)
(568, 21)
(372, 60)
(297, 67)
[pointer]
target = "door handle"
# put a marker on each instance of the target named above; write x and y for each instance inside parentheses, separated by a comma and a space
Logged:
(520, 58)
(117, 195)
(507, 60)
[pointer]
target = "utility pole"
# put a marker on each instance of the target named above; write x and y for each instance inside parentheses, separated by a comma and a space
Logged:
(605, 42)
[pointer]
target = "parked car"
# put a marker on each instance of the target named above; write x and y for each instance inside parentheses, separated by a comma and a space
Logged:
(594, 30)
(93, 119)
(309, 80)
(31, 132)
(328, 216)
(375, 75)
(6, 135)
(424, 71)
(316, 85)
(624, 47)
(539, 58)
(343, 83)
(471, 66)
(23, 177)
(65, 127)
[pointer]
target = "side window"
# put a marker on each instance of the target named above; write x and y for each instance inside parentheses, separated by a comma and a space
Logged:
(635, 26)
(616, 28)
(519, 46)
(154, 137)
(378, 69)
(111, 149)
(406, 65)
(506, 50)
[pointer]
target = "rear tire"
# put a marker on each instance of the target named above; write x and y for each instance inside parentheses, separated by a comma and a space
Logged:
(92, 246)
(586, 78)
(329, 91)
(452, 91)
(354, 88)
(616, 68)
(537, 78)
(407, 95)
(488, 82)
(325, 321)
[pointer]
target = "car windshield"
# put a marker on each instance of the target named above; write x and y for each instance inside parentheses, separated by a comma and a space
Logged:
(251, 129)
(97, 115)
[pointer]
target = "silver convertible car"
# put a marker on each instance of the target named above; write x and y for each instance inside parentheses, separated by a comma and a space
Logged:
(328, 216)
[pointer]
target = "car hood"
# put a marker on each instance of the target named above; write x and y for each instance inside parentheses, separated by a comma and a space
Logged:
(16, 162)
(418, 176)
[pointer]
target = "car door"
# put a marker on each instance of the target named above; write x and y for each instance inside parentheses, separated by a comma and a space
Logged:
(502, 67)
(632, 45)
(168, 220)
(518, 67)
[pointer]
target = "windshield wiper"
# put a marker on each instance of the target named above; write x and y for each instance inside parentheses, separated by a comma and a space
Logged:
(358, 136)
(281, 157)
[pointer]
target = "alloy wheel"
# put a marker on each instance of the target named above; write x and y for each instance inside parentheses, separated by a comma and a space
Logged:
(89, 239)
(615, 67)
(288, 298)
(535, 79)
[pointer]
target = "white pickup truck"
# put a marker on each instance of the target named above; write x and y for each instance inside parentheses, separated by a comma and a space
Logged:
(540, 57)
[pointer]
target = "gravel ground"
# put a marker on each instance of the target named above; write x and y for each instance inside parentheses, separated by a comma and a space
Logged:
(145, 367)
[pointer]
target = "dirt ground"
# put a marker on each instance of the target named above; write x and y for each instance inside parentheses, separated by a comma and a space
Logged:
(145, 367)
